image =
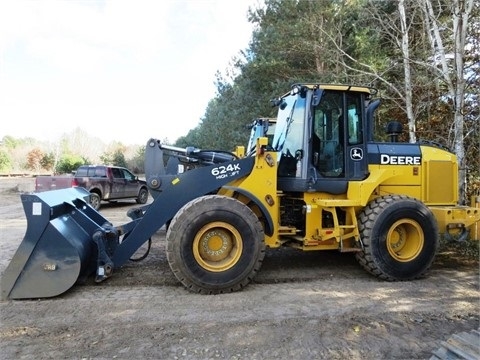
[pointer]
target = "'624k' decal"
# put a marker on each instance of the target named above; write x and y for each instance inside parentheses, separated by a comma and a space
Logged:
(221, 172)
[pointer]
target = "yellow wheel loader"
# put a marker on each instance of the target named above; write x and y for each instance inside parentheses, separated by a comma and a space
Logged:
(321, 183)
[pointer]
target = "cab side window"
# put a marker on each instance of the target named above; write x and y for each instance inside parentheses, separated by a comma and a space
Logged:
(354, 118)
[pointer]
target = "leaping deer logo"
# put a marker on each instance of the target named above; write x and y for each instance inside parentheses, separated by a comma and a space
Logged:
(356, 154)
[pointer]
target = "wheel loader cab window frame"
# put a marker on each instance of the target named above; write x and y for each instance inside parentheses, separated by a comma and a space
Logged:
(288, 142)
(328, 135)
(354, 119)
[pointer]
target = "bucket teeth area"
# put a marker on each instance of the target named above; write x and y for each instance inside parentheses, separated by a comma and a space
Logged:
(58, 248)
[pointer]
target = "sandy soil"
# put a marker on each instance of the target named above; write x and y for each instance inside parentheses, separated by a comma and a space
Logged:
(301, 306)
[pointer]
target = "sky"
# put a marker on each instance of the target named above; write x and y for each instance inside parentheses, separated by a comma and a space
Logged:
(120, 70)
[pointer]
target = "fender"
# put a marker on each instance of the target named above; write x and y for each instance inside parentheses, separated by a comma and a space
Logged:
(263, 209)
(180, 190)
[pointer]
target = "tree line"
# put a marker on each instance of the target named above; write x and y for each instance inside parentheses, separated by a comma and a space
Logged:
(423, 56)
(65, 156)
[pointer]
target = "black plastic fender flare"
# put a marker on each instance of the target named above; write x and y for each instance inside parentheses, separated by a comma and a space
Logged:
(266, 214)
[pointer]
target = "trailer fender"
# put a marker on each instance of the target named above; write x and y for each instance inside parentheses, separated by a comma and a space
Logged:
(267, 219)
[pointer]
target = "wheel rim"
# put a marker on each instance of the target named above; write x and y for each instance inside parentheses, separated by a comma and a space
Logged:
(217, 246)
(405, 240)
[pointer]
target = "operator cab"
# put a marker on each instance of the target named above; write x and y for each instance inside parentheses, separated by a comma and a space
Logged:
(321, 136)
(260, 127)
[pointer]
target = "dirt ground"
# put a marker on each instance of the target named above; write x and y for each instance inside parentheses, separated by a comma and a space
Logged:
(300, 306)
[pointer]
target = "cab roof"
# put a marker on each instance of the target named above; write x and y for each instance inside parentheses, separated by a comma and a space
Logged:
(339, 87)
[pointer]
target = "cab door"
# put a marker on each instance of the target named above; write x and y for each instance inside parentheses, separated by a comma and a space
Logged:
(328, 136)
(338, 139)
(356, 162)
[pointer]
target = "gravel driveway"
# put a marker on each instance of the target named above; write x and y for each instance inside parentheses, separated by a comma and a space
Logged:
(301, 306)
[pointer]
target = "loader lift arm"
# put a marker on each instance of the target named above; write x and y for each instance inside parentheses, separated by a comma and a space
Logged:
(179, 161)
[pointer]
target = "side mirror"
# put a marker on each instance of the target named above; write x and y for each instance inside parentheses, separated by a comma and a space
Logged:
(280, 102)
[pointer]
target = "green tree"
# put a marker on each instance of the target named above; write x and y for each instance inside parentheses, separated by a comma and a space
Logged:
(394, 46)
(294, 41)
(10, 142)
(106, 158)
(118, 158)
(69, 163)
(115, 154)
(137, 163)
(5, 161)
(48, 161)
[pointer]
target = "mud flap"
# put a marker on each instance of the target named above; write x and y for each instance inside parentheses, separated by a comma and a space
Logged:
(58, 248)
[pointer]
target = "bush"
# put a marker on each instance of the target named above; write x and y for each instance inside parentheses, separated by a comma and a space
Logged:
(68, 164)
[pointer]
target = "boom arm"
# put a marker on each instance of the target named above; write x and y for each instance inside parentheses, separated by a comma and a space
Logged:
(179, 160)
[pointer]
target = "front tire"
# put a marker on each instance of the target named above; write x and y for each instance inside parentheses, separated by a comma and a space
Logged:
(215, 244)
(400, 237)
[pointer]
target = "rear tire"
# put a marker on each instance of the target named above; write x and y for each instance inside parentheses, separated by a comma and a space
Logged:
(215, 244)
(142, 196)
(400, 237)
(95, 200)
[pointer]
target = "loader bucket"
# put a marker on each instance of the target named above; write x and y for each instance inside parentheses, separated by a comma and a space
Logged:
(57, 249)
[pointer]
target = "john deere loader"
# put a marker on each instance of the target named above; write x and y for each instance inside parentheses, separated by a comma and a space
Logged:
(321, 183)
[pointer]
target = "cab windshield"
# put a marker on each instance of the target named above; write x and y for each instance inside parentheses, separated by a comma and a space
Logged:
(288, 136)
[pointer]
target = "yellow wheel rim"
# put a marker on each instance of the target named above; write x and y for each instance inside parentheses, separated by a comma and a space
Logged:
(217, 246)
(405, 240)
